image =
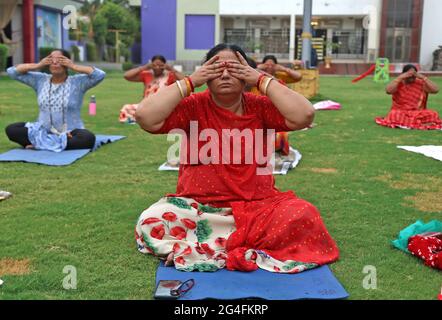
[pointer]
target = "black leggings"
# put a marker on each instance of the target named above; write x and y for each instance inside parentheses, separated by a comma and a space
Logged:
(81, 138)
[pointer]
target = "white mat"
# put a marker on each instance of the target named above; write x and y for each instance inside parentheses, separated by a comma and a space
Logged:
(434, 152)
(5, 195)
(285, 163)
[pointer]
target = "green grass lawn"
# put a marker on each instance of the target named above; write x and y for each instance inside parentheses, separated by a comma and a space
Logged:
(84, 215)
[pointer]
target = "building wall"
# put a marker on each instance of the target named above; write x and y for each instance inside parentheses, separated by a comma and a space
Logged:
(235, 12)
(159, 29)
(57, 4)
(373, 22)
(17, 35)
(287, 7)
(345, 12)
(431, 32)
(195, 7)
(17, 24)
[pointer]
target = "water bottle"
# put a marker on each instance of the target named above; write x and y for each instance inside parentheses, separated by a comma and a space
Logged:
(92, 106)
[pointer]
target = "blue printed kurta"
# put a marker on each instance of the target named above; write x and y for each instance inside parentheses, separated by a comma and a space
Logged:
(62, 102)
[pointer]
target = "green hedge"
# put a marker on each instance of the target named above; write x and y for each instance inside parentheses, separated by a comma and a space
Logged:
(75, 53)
(3, 56)
(127, 66)
(91, 49)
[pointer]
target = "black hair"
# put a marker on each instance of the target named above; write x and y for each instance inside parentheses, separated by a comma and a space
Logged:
(408, 67)
(224, 46)
(65, 53)
(251, 62)
(270, 57)
(158, 57)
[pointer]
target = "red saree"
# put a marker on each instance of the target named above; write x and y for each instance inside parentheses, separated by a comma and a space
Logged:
(268, 223)
(409, 109)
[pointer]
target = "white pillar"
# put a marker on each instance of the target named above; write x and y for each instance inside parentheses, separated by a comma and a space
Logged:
(292, 42)
(307, 34)
(372, 23)
(329, 40)
(257, 40)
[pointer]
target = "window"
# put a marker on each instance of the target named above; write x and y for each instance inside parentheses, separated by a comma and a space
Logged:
(352, 42)
(400, 13)
(245, 38)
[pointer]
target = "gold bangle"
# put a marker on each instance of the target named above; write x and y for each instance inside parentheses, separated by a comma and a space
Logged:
(262, 84)
(188, 87)
(180, 88)
(266, 85)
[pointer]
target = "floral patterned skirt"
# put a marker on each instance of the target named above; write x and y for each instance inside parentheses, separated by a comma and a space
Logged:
(127, 113)
(205, 238)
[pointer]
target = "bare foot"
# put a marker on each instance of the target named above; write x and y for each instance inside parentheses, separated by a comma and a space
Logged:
(169, 261)
(29, 146)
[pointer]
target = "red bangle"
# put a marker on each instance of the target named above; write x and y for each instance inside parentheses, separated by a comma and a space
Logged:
(260, 79)
(192, 87)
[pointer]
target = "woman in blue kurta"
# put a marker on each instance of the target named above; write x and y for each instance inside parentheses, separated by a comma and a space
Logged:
(60, 97)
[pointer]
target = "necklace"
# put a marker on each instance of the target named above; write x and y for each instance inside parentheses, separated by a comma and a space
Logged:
(63, 110)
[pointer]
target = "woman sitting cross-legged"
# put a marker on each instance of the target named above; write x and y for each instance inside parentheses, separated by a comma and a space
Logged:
(284, 75)
(410, 95)
(270, 65)
(154, 75)
(226, 211)
(60, 97)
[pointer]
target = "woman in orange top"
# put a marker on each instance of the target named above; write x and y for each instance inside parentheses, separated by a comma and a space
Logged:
(154, 75)
(270, 66)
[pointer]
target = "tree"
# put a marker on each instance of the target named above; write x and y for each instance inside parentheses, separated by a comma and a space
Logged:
(90, 9)
(100, 29)
(118, 18)
(122, 3)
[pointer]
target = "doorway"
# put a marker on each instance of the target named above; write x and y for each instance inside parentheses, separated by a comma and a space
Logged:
(399, 44)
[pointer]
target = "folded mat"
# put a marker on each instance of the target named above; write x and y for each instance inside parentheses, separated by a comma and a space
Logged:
(50, 158)
(319, 283)
(434, 152)
(416, 228)
(327, 105)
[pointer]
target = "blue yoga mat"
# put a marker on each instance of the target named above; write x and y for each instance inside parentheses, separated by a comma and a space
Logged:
(319, 283)
(50, 158)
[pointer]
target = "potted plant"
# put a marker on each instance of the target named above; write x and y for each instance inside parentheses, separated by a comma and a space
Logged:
(331, 46)
(257, 47)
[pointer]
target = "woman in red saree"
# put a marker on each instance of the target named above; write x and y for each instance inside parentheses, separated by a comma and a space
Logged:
(410, 95)
(226, 214)
(284, 75)
(154, 75)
